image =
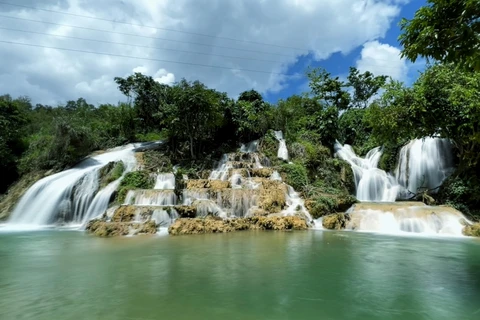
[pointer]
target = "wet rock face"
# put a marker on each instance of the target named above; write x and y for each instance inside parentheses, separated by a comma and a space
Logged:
(336, 221)
(218, 225)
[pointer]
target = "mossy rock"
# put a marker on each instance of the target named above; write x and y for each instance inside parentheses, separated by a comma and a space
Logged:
(111, 172)
(328, 204)
(134, 180)
(124, 214)
(217, 225)
(472, 230)
(103, 228)
(186, 211)
(207, 184)
(336, 221)
(262, 172)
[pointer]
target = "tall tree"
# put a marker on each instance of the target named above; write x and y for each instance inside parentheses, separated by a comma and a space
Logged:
(365, 86)
(446, 31)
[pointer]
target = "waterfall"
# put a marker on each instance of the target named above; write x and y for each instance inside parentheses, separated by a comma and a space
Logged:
(70, 196)
(372, 184)
(282, 148)
(424, 164)
(406, 218)
(250, 147)
(165, 181)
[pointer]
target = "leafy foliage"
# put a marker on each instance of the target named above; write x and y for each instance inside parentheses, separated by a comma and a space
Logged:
(134, 180)
(446, 31)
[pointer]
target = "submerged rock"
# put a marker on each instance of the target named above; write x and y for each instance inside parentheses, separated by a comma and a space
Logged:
(336, 221)
(217, 225)
(472, 230)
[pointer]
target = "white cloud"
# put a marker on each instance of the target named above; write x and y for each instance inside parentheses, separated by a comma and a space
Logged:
(382, 59)
(49, 75)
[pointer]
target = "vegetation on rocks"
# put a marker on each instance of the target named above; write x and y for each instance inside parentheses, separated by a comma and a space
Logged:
(198, 124)
(134, 180)
(336, 221)
(218, 225)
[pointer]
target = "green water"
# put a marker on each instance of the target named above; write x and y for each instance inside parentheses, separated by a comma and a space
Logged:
(264, 275)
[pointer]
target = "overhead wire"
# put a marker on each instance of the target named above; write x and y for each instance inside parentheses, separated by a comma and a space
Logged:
(144, 58)
(139, 46)
(150, 27)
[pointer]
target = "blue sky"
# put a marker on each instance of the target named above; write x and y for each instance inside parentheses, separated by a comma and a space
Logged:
(338, 64)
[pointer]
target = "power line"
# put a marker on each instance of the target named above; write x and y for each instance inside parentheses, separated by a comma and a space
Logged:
(147, 37)
(150, 27)
(148, 59)
(139, 46)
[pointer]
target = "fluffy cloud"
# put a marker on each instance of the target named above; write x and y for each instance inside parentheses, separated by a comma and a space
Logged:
(382, 59)
(295, 27)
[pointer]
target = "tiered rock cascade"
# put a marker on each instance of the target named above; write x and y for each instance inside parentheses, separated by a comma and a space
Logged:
(242, 193)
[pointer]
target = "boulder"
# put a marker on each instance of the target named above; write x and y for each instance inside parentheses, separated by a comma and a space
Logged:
(472, 230)
(336, 221)
(262, 172)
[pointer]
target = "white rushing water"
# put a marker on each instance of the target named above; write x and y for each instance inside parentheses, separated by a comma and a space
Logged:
(70, 196)
(406, 218)
(165, 181)
(423, 164)
(372, 184)
(282, 148)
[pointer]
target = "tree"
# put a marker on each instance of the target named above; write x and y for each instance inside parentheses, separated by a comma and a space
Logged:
(365, 86)
(194, 114)
(446, 31)
(251, 116)
(328, 90)
(148, 96)
(13, 121)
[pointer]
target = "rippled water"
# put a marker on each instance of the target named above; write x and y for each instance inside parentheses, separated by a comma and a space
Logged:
(249, 275)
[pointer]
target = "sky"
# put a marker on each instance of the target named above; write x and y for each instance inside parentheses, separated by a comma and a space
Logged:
(58, 50)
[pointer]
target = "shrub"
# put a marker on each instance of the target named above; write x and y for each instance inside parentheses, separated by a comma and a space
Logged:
(134, 180)
(296, 175)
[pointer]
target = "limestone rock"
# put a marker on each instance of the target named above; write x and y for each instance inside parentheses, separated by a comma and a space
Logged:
(207, 184)
(262, 172)
(124, 214)
(336, 221)
(186, 211)
(472, 230)
(216, 225)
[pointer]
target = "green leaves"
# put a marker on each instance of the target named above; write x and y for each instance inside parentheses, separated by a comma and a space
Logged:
(446, 31)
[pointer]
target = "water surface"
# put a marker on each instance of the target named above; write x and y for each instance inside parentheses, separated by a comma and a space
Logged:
(247, 275)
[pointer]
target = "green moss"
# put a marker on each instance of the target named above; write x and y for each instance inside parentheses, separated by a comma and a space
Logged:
(134, 180)
(329, 203)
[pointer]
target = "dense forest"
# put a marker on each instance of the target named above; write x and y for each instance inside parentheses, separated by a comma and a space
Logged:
(199, 123)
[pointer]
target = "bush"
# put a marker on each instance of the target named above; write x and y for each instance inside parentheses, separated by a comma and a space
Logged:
(462, 193)
(296, 175)
(134, 180)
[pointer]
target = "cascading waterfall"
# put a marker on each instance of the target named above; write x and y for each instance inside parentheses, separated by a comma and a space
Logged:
(372, 184)
(165, 181)
(423, 164)
(282, 148)
(70, 196)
